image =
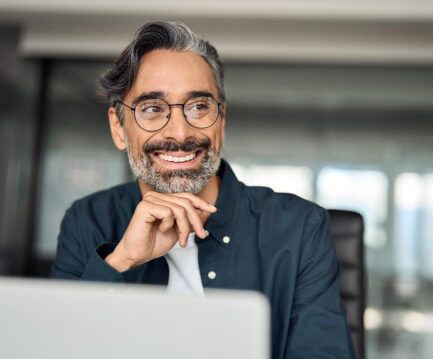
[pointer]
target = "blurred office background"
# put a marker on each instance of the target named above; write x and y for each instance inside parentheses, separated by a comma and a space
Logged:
(332, 100)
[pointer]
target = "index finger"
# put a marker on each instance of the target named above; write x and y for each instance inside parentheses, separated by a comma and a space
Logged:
(197, 202)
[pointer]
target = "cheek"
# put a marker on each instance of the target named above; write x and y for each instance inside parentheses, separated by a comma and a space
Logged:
(214, 136)
(133, 144)
(136, 141)
(219, 137)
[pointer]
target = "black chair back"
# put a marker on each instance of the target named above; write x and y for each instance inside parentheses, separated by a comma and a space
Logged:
(347, 229)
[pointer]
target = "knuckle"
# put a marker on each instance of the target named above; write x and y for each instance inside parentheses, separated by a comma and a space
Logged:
(151, 194)
(188, 197)
(184, 200)
(168, 212)
(181, 211)
(148, 196)
(185, 203)
(189, 204)
(141, 205)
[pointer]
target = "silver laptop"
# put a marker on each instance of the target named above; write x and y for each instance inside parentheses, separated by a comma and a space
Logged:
(52, 319)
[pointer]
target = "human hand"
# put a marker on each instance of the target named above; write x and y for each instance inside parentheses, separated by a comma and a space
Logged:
(159, 221)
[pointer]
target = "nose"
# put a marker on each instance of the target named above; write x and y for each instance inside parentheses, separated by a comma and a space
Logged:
(177, 128)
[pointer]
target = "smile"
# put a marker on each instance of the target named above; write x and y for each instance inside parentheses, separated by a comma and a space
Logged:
(177, 159)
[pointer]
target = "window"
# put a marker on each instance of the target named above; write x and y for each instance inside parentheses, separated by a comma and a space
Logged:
(290, 179)
(414, 226)
(364, 191)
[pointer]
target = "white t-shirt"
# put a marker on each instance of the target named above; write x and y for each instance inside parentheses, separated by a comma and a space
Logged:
(184, 273)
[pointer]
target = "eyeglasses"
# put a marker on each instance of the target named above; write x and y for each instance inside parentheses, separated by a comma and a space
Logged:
(153, 114)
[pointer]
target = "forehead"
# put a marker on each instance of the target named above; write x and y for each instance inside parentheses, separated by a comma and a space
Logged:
(174, 73)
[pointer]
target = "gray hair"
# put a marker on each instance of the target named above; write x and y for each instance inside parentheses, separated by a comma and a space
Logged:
(115, 83)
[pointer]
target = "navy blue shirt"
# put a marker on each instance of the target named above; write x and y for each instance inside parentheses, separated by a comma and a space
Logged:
(279, 245)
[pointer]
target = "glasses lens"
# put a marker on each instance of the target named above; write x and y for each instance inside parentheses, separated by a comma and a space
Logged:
(152, 115)
(201, 112)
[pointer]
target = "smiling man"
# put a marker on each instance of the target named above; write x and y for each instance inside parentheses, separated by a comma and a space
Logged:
(187, 222)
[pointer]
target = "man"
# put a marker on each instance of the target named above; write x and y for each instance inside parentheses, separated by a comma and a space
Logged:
(187, 222)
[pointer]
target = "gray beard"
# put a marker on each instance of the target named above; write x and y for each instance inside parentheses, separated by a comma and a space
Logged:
(175, 181)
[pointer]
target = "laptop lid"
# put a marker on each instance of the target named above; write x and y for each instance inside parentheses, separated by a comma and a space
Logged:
(54, 319)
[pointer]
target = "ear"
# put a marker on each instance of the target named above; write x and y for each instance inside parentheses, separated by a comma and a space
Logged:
(117, 130)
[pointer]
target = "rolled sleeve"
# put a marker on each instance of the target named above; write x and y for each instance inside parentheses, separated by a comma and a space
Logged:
(78, 258)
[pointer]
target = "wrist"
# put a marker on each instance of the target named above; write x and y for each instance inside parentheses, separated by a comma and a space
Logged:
(120, 260)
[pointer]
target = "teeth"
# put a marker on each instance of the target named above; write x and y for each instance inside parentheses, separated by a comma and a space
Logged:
(177, 159)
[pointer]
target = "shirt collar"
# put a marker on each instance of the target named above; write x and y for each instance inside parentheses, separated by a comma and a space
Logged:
(130, 198)
(220, 223)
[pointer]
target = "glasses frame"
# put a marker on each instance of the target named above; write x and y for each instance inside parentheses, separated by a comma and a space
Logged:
(176, 105)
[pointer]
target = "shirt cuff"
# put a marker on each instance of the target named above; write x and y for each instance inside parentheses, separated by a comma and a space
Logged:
(99, 270)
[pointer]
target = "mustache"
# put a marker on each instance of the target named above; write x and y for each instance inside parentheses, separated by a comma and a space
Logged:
(171, 146)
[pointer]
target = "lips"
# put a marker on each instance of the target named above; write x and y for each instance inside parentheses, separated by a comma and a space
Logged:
(175, 149)
(177, 158)
(175, 155)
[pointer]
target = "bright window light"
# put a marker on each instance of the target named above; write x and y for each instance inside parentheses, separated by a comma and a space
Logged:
(414, 226)
(290, 179)
(363, 191)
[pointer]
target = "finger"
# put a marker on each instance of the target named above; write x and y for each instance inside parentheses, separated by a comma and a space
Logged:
(187, 214)
(180, 218)
(197, 202)
(151, 212)
(191, 212)
(166, 223)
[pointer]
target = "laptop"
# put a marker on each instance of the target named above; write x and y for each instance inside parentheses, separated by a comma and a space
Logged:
(55, 319)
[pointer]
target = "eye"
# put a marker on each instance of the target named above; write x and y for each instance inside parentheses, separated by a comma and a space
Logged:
(149, 107)
(152, 109)
(198, 105)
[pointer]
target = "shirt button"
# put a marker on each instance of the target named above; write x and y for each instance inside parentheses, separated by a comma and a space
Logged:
(211, 274)
(226, 239)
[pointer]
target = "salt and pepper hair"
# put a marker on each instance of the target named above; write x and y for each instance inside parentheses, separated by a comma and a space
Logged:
(115, 83)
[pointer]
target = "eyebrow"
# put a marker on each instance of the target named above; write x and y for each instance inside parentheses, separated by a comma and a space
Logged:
(153, 95)
(200, 94)
(162, 95)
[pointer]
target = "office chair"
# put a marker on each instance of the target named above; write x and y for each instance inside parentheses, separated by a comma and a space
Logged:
(347, 229)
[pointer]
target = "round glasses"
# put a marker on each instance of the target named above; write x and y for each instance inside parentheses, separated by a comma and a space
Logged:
(153, 114)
